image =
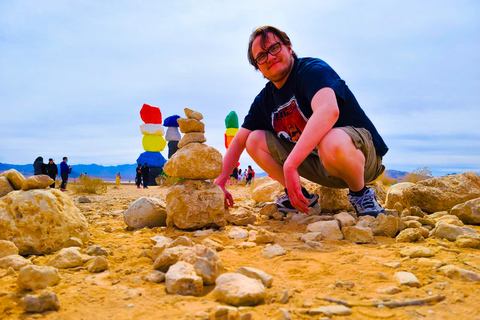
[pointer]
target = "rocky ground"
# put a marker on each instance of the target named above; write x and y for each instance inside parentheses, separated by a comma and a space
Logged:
(303, 277)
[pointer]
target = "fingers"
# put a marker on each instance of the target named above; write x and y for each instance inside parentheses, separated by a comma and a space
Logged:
(299, 202)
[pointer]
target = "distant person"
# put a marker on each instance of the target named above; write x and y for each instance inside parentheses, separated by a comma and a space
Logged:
(65, 170)
(145, 174)
(117, 180)
(39, 167)
(52, 171)
(250, 174)
(138, 176)
(239, 175)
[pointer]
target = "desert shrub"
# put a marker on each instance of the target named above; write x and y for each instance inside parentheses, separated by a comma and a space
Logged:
(417, 175)
(87, 184)
(386, 180)
(164, 180)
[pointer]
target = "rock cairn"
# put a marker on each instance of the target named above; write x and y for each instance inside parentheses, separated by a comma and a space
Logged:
(193, 203)
(153, 141)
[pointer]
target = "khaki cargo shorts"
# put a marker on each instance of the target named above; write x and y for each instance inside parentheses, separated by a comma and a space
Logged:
(313, 169)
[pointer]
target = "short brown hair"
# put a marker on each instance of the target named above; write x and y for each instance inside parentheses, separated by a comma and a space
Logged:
(263, 33)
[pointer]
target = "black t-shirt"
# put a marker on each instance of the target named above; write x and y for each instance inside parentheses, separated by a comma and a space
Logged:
(286, 111)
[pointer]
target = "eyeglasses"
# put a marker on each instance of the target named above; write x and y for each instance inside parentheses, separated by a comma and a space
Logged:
(273, 50)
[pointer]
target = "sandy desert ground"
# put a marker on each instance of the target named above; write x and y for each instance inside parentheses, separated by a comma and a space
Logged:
(340, 270)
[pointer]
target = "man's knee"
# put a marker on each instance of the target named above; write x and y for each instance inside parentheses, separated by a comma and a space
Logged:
(334, 143)
(255, 140)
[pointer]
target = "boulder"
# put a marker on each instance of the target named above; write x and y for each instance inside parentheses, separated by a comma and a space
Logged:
(15, 178)
(468, 212)
(395, 194)
(190, 125)
(329, 229)
(239, 290)
(267, 190)
(258, 274)
(5, 186)
(385, 225)
(358, 234)
(146, 212)
(195, 161)
(182, 279)
(37, 277)
(447, 231)
(443, 193)
(40, 181)
(333, 200)
(66, 258)
(192, 137)
(39, 221)
(194, 204)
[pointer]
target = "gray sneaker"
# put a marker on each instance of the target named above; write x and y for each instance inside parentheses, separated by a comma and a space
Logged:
(366, 205)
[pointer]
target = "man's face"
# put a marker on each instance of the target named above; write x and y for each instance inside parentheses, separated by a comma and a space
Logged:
(278, 67)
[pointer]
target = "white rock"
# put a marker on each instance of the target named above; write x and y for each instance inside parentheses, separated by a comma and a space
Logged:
(345, 219)
(14, 261)
(37, 277)
(97, 264)
(329, 229)
(66, 258)
(273, 251)
(331, 311)
(237, 233)
(155, 276)
(239, 290)
(182, 279)
(406, 279)
(358, 234)
(152, 128)
(258, 274)
(146, 212)
(456, 273)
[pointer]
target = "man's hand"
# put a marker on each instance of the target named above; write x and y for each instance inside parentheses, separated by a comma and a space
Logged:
(292, 182)
(228, 201)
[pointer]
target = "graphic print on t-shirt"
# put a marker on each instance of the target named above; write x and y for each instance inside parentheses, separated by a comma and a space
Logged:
(288, 121)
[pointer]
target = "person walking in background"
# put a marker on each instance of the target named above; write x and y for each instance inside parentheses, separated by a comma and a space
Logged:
(138, 176)
(117, 180)
(52, 171)
(145, 173)
(65, 170)
(39, 167)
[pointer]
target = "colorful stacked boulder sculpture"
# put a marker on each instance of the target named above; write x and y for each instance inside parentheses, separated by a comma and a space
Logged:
(153, 141)
(231, 122)
(193, 203)
(173, 135)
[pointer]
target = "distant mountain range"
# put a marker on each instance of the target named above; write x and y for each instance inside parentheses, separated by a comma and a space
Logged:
(127, 171)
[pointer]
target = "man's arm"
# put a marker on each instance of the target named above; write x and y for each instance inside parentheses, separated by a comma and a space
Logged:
(230, 161)
(325, 114)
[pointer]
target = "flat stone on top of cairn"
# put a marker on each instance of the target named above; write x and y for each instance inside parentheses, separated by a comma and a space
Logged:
(194, 162)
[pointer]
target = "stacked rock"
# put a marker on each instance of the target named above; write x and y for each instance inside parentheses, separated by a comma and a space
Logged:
(231, 122)
(193, 203)
(172, 135)
(153, 141)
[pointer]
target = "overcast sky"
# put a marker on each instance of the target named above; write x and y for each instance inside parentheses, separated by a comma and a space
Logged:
(74, 74)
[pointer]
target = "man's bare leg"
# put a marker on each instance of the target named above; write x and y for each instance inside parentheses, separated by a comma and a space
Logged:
(342, 159)
(257, 149)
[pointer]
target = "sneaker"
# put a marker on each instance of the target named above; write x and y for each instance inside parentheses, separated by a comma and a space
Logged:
(284, 206)
(366, 205)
